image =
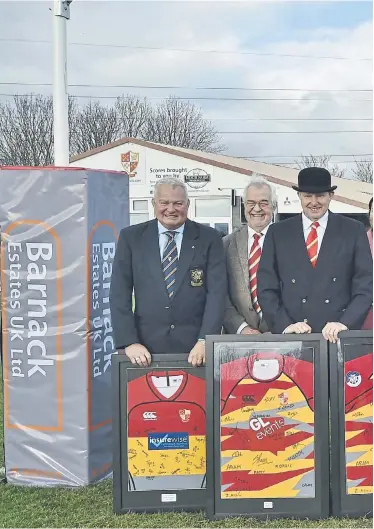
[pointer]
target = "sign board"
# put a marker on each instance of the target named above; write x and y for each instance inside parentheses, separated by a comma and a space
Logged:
(159, 435)
(351, 393)
(268, 443)
(59, 234)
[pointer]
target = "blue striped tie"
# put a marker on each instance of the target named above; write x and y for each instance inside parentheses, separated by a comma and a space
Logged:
(170, 262)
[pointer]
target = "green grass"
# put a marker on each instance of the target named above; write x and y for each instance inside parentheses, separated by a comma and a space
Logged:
(92, 507)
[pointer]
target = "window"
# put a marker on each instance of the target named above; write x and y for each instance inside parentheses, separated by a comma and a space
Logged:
(137, 218)
(139, 211)
(214, 207)
(140, 205)
(222, 228)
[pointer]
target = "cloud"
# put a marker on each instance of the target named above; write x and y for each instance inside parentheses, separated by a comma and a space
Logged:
(272, 29)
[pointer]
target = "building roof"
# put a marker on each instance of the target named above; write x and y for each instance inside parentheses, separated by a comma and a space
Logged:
(349, 191)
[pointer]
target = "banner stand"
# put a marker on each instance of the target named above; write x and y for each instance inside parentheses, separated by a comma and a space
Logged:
(59, 230)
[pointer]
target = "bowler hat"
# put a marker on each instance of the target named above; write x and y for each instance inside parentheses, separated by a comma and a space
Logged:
(314, 180)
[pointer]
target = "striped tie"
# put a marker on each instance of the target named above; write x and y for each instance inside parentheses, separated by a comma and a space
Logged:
(312, 244)
(170, 262)
(253, 263)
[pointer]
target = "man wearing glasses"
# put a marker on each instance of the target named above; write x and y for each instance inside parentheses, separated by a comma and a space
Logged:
(243, 250)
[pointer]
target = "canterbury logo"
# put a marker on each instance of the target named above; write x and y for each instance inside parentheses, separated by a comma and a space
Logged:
(150, 416)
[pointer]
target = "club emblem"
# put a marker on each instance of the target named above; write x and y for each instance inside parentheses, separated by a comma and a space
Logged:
(185, 415)
(197, 277)
(130, 161)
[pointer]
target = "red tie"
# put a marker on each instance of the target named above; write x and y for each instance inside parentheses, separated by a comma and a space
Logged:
(253, 263)
(312, 244)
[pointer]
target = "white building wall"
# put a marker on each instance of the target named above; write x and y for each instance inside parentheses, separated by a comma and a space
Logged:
(215, 182)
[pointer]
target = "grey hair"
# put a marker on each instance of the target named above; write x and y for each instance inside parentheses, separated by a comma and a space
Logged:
(170, 181)
(259, 181)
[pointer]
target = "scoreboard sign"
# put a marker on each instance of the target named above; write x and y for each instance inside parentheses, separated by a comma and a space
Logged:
(268, 448)
(351, 390)
(159, 430)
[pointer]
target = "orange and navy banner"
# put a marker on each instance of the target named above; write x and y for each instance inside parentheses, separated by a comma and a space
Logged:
(166, 431)
(267, 427)
(358, 390)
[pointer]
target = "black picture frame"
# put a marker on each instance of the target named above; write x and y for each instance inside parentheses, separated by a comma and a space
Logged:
(314, 508)
(148, 501)
(353, 344)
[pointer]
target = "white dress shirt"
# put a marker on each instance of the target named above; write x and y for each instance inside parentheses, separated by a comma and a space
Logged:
(163, 239)
(251, 234)
(307, 226)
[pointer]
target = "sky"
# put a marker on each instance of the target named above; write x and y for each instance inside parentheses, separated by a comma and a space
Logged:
(309, 61)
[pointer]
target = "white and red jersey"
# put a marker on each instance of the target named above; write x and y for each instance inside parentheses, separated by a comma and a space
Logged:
(166, 431)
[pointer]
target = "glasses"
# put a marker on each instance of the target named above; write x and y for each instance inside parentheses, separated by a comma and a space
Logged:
(263, 204)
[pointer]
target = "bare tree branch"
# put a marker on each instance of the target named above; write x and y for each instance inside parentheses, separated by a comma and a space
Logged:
(363, 171)
(94, 125)
(321, 161)
(181, 124)
(132, 113)
(26, 126)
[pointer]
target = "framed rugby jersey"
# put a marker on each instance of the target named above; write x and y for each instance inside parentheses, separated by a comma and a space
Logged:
(160, 430)
(351, 393)
(267, 450)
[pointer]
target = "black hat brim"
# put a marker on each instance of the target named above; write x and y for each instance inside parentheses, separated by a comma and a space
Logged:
(312, 189)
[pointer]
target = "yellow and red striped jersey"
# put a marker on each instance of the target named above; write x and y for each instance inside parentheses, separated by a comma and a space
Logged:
(359, 424)
(267, 427)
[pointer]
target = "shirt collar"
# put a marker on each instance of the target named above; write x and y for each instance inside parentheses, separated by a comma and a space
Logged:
(162, 229)
(252, 232)
(307, 223)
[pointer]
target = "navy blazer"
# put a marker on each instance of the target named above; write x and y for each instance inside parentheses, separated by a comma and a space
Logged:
(338, 289)
(196, 309)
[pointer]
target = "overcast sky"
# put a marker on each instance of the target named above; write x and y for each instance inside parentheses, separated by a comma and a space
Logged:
(254, 41)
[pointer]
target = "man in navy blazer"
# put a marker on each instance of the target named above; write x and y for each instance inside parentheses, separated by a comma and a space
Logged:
(176, 269)
(315, 274)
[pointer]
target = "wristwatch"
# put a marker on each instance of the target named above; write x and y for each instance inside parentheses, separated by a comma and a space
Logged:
(201, 340)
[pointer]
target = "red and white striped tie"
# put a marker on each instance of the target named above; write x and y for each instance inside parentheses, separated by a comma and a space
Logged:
(253, 264)
(312, 243)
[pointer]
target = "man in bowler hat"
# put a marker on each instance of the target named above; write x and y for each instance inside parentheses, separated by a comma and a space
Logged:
(315, 274)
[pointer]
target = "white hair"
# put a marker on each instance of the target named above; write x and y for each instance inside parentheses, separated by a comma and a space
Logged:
(170, 181)
(259, 181)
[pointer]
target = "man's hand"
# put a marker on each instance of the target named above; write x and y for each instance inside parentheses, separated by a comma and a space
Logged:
(249, 330)
(138, 354)
(332, 329)
(298, 328)
(197, 354)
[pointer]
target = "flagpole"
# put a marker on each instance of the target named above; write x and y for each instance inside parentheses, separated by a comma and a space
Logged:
(61, 13)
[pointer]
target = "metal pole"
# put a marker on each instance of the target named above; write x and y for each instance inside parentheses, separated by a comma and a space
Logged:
(60, 84)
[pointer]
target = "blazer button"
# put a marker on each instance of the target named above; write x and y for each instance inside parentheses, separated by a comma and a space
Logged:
(327, 301)
(334, 278)
(303, 300)
(167, 307)
(172, 326)
(293, 280)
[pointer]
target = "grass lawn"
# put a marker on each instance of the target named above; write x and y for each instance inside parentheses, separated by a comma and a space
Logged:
(92, 507)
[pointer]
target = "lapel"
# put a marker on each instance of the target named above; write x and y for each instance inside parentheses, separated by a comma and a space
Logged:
(188, 250)
(330, 244)
(151, 250)
(241, 240)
